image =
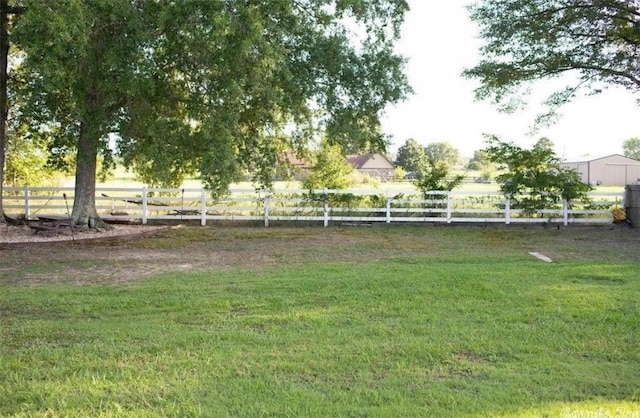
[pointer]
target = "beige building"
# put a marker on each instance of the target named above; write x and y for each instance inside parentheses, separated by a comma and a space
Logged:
(373, 164)
(612, 170)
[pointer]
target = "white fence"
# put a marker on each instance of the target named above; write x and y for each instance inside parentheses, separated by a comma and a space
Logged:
(325, 206)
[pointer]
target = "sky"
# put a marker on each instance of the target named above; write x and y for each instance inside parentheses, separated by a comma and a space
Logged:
(440, 41)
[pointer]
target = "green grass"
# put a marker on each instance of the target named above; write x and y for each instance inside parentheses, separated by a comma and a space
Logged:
(463, 329)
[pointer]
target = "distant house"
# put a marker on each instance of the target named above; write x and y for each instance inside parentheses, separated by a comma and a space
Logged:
(295, 166)
(612, 170)
(374, 165)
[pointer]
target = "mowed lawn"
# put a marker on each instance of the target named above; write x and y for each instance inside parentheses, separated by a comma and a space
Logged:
(465, 322)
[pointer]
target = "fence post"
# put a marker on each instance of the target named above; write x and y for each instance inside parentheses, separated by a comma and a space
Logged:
(565, 212)
(388, 208)
(326, 207)
(507, 211)
(27, 207)
(203, 207)
(144, 205)
(266, 208)
(449, 209)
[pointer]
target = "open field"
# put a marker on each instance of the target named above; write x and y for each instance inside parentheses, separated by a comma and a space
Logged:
(341, 321)
(124, 178)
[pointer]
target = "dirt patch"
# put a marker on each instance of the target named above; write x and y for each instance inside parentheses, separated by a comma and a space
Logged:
(25, 234)
(131, 253)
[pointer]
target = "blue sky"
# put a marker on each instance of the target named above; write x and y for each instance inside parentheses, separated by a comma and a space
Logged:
(440, 41)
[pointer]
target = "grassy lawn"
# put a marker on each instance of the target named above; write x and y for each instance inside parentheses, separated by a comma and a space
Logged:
(465, 322)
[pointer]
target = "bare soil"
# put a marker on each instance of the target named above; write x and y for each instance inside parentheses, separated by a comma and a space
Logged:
(131, 253)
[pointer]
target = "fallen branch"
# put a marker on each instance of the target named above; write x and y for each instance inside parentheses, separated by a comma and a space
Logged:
(137, 202)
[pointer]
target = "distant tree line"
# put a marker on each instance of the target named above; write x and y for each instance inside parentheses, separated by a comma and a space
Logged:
(534, 179)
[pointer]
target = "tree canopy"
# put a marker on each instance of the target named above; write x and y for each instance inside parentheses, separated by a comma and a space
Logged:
(534, 178)
(595, 41)
(442, 153)
(631, 148)
(434, 169)
(410, 156)
(331, 169)
(26, 160)
(207, 87)
(436, 176)
(479, 161)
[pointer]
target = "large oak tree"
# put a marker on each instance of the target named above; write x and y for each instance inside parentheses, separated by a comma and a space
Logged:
(212, 87)
(596, 43)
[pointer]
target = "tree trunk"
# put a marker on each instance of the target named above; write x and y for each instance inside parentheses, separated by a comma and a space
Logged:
(4, 59)
(84, 203)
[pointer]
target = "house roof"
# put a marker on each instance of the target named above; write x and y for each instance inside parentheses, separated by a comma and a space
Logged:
(588, 159)
(360, 160)
(294, 160)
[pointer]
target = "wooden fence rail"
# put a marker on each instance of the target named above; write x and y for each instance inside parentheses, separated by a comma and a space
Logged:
(325, 206)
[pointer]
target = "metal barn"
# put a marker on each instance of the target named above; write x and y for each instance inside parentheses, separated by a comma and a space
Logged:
(612, 170)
